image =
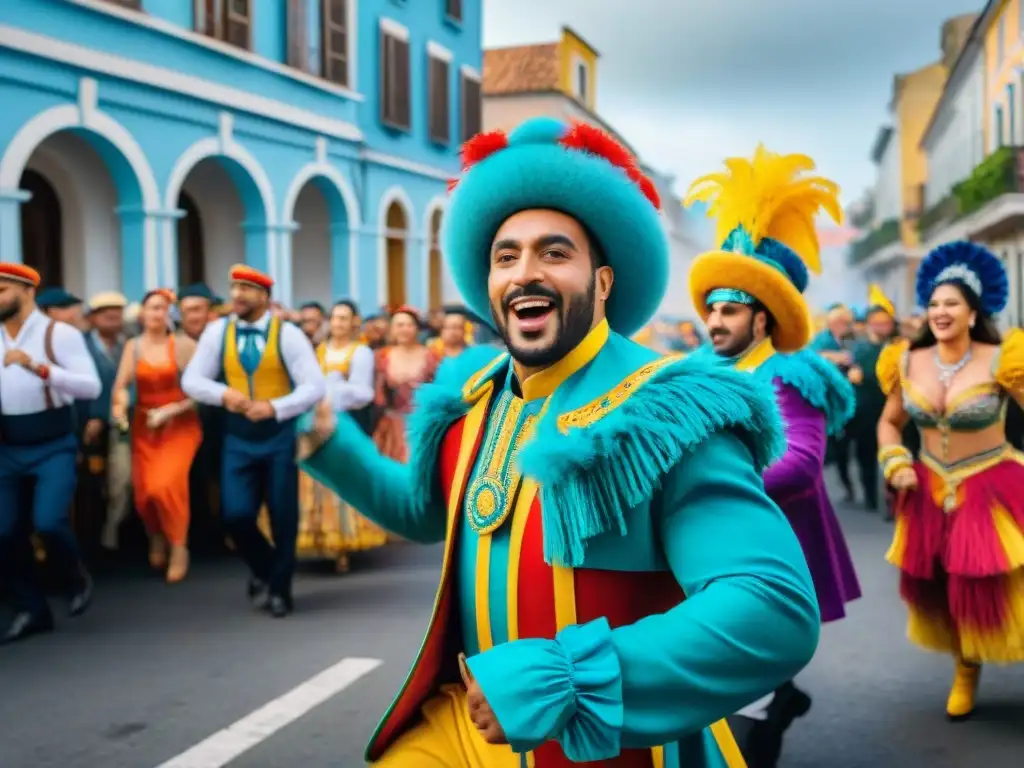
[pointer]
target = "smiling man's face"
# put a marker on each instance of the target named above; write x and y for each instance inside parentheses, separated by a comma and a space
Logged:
(547, 285)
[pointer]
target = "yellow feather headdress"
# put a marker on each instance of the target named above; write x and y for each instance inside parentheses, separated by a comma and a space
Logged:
(767, 197)
(877, 298)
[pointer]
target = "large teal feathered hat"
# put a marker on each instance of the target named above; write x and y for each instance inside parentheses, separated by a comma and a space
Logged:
(576, 169)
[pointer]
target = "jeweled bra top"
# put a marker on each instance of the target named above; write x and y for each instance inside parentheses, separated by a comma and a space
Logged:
(976, 408)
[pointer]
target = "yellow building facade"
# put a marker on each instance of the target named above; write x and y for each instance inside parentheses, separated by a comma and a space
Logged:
(578, 62)
(1004, 85)
(914, 99)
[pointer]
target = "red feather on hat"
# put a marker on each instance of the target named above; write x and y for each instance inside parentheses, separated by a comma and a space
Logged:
(481, 146)
(594, 141)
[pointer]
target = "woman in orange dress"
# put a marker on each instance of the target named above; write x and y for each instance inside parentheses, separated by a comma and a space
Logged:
(401, 367)
(165, 432)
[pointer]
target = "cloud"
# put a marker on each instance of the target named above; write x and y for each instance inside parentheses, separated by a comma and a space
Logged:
(689, 83)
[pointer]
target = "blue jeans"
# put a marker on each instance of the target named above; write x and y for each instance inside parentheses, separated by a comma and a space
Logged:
(37, 487)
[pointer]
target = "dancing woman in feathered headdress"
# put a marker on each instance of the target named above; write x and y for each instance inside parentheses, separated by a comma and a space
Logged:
(749, 292)
(959, 542)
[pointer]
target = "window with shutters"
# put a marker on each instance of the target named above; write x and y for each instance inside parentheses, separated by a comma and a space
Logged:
(472, 106)
(226, 20)
(438, 99)
(335, 41)
(453, 10)
(395, 96)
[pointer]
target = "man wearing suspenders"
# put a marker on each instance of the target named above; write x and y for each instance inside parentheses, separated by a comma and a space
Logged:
(265, 374)
(46, 367)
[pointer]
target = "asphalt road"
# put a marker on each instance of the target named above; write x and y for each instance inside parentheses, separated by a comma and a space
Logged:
(152, 671)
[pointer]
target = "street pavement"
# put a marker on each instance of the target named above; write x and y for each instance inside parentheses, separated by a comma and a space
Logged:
(188, 677)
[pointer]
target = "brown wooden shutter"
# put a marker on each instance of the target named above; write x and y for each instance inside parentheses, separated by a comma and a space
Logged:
(453, 9)
(438, 90)
(237, 23)
(403, 84)
(395, 86)
(208, 19)
(472, 107)
(387, 77)
(296, 30)
(335, 43)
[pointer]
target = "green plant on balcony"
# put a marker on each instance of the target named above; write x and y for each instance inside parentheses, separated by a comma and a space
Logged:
(885, 233)
(947, 209)
(996, 175)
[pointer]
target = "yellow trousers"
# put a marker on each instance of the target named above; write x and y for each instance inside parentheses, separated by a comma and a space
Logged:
(446, 738)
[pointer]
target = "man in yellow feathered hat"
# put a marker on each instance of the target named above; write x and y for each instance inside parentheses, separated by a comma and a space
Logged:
(750, 294)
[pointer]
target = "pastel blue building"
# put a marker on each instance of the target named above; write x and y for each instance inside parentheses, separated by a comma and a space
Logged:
(148, 143)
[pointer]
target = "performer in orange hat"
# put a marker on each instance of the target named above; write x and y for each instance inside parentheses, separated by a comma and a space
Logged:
(264, 373)
(46, 367)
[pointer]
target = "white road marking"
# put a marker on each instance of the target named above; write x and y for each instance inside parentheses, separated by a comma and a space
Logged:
(224, 746)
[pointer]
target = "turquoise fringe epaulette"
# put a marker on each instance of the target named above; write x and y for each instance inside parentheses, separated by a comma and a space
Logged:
(590, 476)
(436, 406)
(818, 381)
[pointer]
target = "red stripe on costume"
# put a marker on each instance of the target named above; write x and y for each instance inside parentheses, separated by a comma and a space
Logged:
(424, 678)
(550, 755)
(536, 582)
(622, 597)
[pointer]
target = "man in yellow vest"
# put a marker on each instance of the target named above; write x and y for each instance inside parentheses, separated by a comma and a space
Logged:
(265, 374)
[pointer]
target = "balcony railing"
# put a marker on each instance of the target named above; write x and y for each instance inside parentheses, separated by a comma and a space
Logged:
(998, 174)
(885, 233)
(946, 210)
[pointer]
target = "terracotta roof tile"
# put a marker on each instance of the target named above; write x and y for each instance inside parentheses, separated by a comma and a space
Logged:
(521, 69)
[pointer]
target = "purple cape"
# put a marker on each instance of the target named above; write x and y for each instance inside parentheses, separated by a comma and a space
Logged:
(796, 483)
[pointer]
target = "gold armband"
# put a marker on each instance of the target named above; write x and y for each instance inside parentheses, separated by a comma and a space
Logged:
(894, 458)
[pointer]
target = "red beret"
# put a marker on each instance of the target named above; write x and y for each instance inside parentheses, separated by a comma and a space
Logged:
(241, 273)
(19, 273)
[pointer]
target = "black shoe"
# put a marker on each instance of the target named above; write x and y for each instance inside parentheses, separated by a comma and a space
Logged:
(279, 607)
(258, 593)
(789, 704)
(81, 598)
(25, 625)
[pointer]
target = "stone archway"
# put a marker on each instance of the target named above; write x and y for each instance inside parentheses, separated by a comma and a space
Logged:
(78, 157)
(232, 209)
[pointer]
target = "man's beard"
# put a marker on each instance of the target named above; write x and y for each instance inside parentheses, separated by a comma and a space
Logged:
(248, 314)
(741, 342)
(6, 313)
(574, 323)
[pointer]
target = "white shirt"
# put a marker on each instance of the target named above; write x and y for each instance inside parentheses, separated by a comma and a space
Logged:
(199, 378)
(73, 373)
(357, 390)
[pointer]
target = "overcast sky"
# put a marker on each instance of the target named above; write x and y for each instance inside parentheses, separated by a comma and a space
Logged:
(689, 83)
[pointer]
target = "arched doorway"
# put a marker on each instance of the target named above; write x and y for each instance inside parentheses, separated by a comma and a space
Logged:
(191, 256)
(41, 245)
(435, 270)
(311, 274)
(214, 214)
(397, 231)
(70, 228)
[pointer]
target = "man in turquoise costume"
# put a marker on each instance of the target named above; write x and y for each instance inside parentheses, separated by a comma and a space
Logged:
(613, 570)
(750, 295)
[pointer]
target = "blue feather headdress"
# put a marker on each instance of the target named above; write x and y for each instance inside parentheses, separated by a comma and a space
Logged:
(970, 266)
(771, 252)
